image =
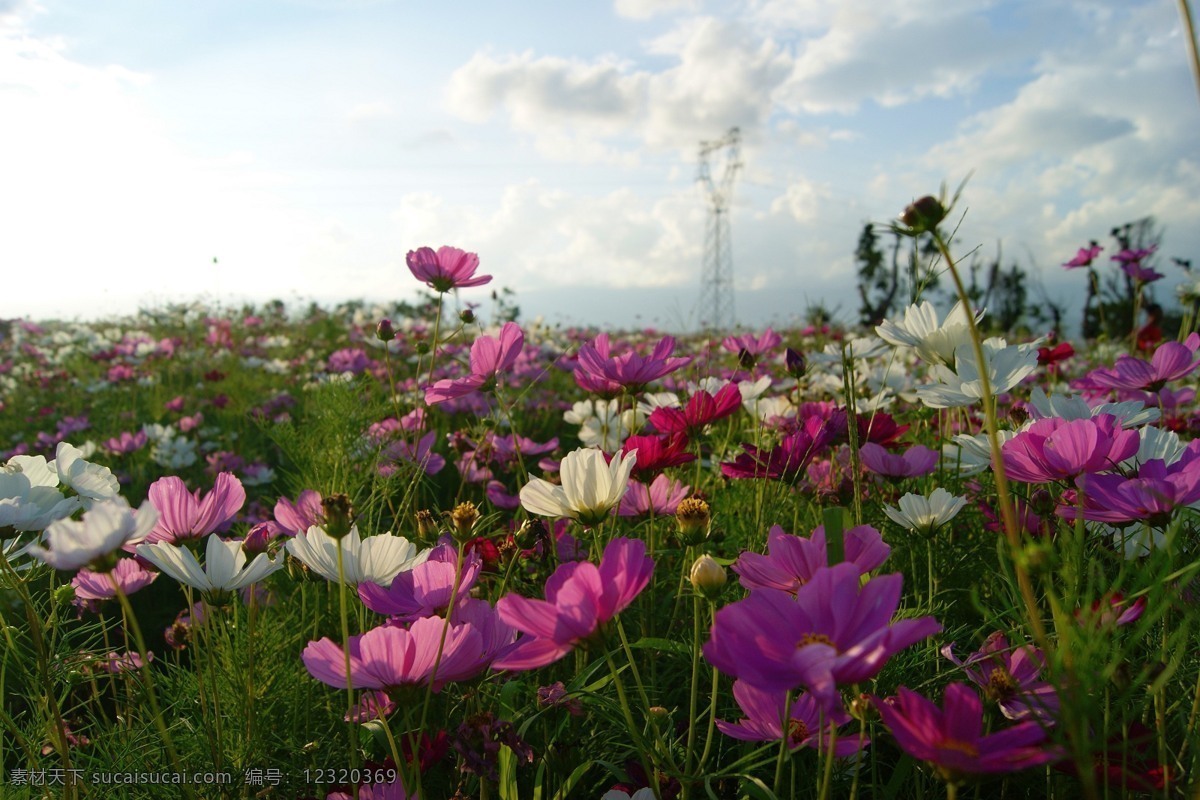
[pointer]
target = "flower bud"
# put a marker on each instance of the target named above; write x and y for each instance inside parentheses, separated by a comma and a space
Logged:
(339, 515)
(530, 533)
(746, 359)
(923, 215)
(258, 539)
(64, 594)
(795, 363)
(693, 518)
(427, 527)
(384, 331)
(467, 316)
(463, 519)
(708, 577)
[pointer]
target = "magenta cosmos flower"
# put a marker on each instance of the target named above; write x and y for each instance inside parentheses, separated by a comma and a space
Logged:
(789, 459)
(580, 597)
(764, 721)
(448, 268)
(426, 589)
(702, 408)
(791, 561)
(951, 738)
(1055, 449)
(1010, 676)
(628, 370)
(1084, 257)
(1152, 496)
(490, 356)
(298, 517)
(183, 516)
(833, 632)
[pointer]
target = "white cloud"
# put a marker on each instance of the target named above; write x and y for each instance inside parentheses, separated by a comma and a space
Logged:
(644, 9)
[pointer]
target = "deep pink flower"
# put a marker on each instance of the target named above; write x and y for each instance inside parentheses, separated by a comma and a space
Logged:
(764, 721)
(702, 408)
(788, 460)
(656, 453)
(662, 497)
(490, 356)
(1170, 361)
(448, 268)
(1010, 676)
(1084, 257)
(183, 515)
(580, 597)
(916, 460)
(833, 632)
(1055, 449)
(792, 561)
(628, 370)
(298, 517)
(951, 738)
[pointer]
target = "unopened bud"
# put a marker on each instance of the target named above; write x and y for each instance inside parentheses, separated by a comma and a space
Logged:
(463, 518)
(863, 708)
(530, 533)
(339, 515)
(385, 331)
(1018, 415)
(64, 594)
(708, 577)
(427, 527)
(746, 359)
(467, 316)
(693, 518)
(795, 363)
(923, 215)
(258, 539)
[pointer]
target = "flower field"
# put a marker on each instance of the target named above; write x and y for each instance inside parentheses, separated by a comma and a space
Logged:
(419, 552)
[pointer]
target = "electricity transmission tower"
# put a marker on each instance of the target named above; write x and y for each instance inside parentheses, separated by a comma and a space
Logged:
(716, 278)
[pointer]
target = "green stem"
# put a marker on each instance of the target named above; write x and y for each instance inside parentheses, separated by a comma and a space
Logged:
(351, 732)
(1189, 27)
(634, 731)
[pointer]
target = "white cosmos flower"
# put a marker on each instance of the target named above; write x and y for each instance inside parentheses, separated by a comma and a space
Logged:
(1132, 413)
(105, 528)
(972, 454)
(29, 499)
(935, 341)
(925, 514)
(224, 570)
(1007, 366)
(91, 481)
(377, 559)
(591, 487)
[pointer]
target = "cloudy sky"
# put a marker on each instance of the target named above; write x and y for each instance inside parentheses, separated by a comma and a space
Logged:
(307, 145)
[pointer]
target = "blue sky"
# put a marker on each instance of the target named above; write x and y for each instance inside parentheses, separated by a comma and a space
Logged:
(309, 144)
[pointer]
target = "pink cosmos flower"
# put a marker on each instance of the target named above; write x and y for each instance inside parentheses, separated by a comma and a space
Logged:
(426, 589)
(448, 268)
(662, 497)
(92, 587)
(951, 738)
(1011, 677)
(754, 345)
(702, 408)
(1055, 449)
(391, 656)
(421, 454)
(183, 515)
(298, 517)
(1170, 361)
(126, 443)
(490, 356)
(792, 561)
(837, 632)
(764, 721)
(1084, 257)
(916, 460)
(580, 597)
(629, 370)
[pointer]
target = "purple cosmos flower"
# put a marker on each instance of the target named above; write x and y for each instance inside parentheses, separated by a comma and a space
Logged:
(916, 460)
(1153, 495)
(1055, 449)
(448, 268)
(792, 561)
(1131, 255)
(580, 597)
(951, 738)
(1170, 361)
(1010, 676)
(628, 370)
(183, 515)
(764, 721)
(421, 454)
(490, 356)
(837, 632)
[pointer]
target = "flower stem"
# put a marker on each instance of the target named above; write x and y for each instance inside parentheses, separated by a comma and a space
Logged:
(351, 733)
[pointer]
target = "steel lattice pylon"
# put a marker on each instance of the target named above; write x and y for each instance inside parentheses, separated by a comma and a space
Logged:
(716, 277)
